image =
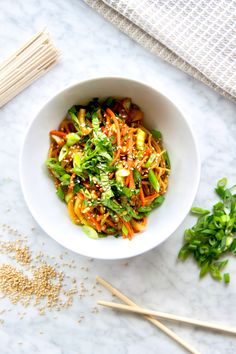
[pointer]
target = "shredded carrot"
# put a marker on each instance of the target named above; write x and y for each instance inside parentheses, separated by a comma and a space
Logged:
(99, 217)
(141, 163)
(129, 228)
(131, 180)
(58, 133)
(147, 151)
(144, 221)
(114, 141)
(110, 222)
(130, 144)
(111, 174)
(108, 120)
(127, 180)
(150, 197)
(96, 224)
(80, 195)
(142, 198)
(124, 131)
(65, 126)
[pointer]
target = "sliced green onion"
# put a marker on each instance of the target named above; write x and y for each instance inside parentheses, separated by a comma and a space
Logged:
(158, 201)
(63, 153)
(222, 182)
(156, 134)
(65, 179)
(167, 159)
(123, 172)
(90, 232)
(72, 138)
(153, 180)
(102, 235)
(60, 193)
(137, 177)
(145, 209)
(226, 278)
(204, 269)
(68, 196)
(199, 211)
(125, 230)
(77, 164)
(72, 113)
(151, 160)
(213, 234)
(141, 136)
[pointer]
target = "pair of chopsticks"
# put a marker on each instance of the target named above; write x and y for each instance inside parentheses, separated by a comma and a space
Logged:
(150, 314)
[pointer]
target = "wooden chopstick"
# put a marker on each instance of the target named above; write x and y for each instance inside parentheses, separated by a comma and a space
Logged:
(155, 322)
(145, 311)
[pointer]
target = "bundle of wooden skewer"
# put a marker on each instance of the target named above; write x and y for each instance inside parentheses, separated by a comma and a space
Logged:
(154, 316)
(27, 64)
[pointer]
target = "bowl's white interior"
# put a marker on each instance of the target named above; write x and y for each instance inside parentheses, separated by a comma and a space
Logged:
(51, 213)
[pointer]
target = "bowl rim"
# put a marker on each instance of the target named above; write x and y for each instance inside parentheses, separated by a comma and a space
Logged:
(169, 99)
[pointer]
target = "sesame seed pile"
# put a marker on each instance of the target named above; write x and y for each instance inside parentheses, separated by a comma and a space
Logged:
(38, 279)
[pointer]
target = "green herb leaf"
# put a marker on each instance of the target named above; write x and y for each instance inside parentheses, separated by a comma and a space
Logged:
(65, 179)
(55, 167)
(76, 188)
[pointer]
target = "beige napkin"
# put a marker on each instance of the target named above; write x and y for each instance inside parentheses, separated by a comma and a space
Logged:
(199, 37)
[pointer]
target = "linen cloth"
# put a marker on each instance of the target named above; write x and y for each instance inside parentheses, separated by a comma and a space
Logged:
(197, 36)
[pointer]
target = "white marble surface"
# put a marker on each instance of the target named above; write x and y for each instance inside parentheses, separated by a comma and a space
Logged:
(92, 47)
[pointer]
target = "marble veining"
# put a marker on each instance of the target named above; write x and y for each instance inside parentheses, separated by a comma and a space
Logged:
(90, 47)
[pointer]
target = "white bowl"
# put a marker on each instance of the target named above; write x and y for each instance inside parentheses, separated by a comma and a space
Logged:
(159, 113)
